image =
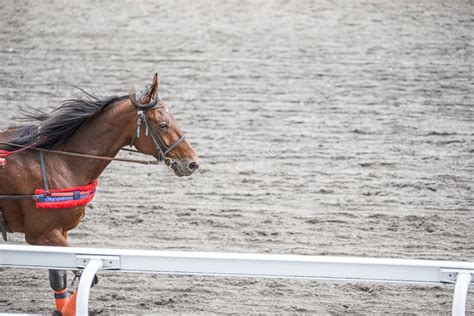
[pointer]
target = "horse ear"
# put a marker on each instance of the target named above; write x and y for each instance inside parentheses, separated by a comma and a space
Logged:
(154, 88)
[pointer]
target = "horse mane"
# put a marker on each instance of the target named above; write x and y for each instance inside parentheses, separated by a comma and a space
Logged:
(52, 129)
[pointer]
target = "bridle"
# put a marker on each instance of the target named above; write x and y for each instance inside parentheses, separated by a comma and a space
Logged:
(156, 138)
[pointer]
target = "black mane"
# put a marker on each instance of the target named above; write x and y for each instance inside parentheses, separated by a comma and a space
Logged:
(57, 127)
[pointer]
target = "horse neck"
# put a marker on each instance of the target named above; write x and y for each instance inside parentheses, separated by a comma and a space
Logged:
(103, 135)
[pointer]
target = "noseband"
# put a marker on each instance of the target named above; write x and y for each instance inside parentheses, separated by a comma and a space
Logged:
(156, 138)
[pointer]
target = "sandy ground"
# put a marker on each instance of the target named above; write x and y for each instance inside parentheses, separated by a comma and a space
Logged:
(324, 128)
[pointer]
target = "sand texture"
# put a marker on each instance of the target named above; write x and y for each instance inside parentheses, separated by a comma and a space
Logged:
(324, 128)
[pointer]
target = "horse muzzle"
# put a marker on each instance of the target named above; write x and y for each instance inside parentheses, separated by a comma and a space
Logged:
(182, 168)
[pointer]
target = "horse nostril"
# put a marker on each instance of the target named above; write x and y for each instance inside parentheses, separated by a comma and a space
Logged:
(193, 166)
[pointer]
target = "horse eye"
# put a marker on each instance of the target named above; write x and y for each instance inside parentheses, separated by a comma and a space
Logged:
(163, 125)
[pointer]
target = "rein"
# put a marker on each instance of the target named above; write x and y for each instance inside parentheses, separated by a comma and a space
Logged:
(6, 153)
(65, 153)
(72, 154)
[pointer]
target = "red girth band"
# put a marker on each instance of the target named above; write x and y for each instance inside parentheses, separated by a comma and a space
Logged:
(65, 198)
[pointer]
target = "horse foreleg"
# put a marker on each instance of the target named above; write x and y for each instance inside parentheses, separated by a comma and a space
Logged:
(58, 282)
(57, 278)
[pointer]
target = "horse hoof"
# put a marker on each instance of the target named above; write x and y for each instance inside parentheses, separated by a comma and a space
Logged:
(56, 313)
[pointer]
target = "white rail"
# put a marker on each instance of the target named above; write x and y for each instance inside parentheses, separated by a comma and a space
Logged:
(234, 264)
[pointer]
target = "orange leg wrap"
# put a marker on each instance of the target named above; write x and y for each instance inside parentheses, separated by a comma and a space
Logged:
(61, 298)
(70, 308)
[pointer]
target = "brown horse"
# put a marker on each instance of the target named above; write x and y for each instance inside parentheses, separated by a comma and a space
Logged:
(86, 125)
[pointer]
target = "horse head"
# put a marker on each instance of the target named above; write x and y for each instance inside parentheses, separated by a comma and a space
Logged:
(163, 138)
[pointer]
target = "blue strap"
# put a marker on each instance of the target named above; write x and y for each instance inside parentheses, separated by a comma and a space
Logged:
(61, 295)
(76, 195)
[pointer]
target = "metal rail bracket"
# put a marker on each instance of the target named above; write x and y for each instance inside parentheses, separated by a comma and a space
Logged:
(108, 262)
(451, 275)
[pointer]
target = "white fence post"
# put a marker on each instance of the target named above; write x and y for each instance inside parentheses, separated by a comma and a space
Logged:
(87, 277)
(463, 280)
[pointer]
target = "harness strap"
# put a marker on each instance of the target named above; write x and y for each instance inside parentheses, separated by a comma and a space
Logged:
(137, 130)
(16, 197)
(43, 171)
(179, 141)
(157, 141)
(3, 225)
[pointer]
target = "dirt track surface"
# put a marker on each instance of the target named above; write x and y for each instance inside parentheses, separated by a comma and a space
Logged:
(323, 128)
